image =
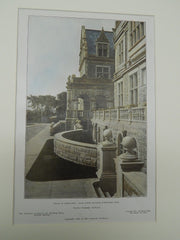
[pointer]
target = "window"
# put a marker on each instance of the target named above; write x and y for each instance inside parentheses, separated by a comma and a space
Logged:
(120, 94)
(121, 52)
(102, 72)
(142, 29)
(80, 104)
(133, 89)
(102, 49)
(143, 76)
(136, 32)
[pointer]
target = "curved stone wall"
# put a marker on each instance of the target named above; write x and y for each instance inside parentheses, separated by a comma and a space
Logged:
(69, 145)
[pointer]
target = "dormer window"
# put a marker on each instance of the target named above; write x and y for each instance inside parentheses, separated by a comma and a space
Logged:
(102, 49)
(102, 45)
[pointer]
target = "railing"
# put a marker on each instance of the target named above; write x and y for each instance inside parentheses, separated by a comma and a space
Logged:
(70, 146)
(78, 114)
(139, 113)
(124, 114)
(130, 114)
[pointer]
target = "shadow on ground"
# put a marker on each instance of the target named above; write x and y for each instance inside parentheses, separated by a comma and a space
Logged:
(49, 167)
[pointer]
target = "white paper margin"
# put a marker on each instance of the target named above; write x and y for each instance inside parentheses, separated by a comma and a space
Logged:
(112, 209)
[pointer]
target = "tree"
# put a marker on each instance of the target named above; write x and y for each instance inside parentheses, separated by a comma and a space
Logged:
(43, 105)
(61, 103)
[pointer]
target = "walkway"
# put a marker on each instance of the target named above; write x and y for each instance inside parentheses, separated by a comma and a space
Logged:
(52, 189)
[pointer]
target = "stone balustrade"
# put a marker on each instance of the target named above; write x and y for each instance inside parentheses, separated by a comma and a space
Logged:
(78, 114)
(127, 114)
(75, 146)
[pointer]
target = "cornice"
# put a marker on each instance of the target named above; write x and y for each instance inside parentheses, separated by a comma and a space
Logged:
(120, 74)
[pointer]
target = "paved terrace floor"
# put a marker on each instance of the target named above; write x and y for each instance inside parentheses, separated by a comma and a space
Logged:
(79, 188)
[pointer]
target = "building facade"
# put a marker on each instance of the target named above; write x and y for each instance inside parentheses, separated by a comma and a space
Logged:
(128, 116)
(109, 99)
(94, 88)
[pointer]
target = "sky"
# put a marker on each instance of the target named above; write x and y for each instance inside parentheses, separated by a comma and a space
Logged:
(53, 51)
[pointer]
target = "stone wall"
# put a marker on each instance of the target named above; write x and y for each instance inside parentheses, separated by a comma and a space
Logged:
(79, 136)
(67, 145)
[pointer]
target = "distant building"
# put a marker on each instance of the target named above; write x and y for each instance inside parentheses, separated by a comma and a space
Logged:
(94, 88)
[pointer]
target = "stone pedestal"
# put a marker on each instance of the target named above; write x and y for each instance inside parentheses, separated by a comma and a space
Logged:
(129, 161)
(131, 166)
(106, 172)
(126, 162)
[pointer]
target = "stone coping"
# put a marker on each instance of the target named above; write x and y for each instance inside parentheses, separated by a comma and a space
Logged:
(137, 180)
(62, 138)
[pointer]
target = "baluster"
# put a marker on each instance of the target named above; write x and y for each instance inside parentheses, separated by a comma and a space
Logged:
(118, 114)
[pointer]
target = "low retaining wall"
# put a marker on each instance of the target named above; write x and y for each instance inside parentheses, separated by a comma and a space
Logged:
(57, 127)
(69, 145)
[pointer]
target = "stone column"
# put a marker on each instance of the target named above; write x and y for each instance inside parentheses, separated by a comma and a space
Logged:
(106, 172)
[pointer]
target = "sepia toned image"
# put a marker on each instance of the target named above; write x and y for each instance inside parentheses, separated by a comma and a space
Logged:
(86, 109)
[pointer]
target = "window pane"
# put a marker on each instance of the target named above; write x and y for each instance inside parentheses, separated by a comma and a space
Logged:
(99, 75)
(142, 29)
(99, 69)
(119, 88)
(131, 97)
(100, 52)
(131, 39)
(135, 83)
(144, 76)
(134, 36)
(105, 46)
(131, 81)
(135, 97)
(100, 46)
(121, 100)
(105, 69)
(138, 33)
(105, 52)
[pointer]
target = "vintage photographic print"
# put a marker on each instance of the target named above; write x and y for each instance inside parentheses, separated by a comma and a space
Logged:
(86, 108)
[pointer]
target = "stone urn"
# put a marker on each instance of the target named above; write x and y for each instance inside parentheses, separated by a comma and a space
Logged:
(129, 144)
(129, 159)
(108, 137)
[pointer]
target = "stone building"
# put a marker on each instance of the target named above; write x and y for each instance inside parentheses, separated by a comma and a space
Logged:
(128, 116)
(114, 104)
(94, 88)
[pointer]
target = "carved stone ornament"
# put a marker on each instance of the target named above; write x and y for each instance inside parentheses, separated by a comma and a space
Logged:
(108, 137)
(78, 125)
(129, 144)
